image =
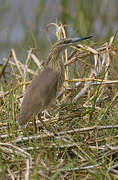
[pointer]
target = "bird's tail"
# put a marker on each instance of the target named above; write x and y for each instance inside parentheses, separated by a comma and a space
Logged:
(23, 119)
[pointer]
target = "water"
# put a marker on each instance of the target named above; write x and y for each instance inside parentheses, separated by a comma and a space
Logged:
(22, 17)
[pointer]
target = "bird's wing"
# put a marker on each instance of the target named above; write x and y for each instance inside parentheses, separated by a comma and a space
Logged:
(41, 91)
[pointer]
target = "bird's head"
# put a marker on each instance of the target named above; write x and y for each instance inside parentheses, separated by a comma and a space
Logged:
(63, 43)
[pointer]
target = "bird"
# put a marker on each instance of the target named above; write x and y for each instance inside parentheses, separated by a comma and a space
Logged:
(45, 86)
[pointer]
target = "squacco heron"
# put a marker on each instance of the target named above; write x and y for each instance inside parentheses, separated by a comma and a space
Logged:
(45, 86)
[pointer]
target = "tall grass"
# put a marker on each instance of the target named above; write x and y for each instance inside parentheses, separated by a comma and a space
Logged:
(84, 117)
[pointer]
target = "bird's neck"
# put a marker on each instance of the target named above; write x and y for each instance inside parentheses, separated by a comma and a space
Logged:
(57, 65)
(55, 62)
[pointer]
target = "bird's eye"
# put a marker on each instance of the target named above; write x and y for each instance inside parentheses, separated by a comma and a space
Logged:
(67, 41)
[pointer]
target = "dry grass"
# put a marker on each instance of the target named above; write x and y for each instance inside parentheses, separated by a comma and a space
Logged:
(84, 117)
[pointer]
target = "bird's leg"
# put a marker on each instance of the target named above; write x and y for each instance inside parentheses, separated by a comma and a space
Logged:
(50, 130)
(39, 116)
(46, 113)
(35, 125)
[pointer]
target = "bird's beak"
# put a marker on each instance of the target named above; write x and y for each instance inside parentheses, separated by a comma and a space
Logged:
(75, 40)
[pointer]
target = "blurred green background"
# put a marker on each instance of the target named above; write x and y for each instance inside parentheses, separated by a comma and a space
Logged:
(23, 22)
